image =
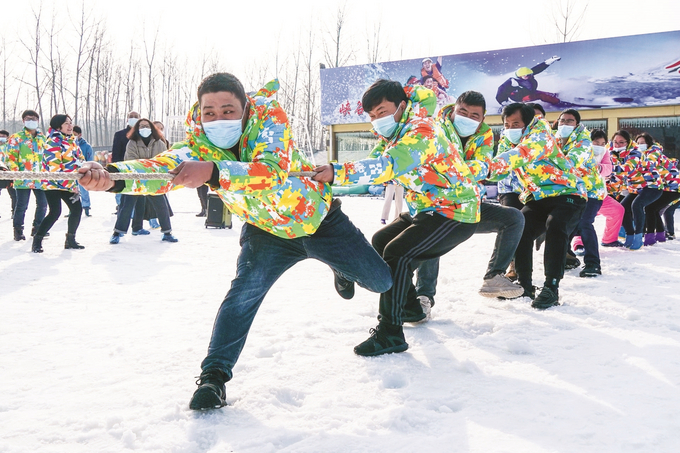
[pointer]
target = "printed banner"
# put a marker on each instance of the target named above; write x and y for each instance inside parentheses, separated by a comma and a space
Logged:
(630, 71)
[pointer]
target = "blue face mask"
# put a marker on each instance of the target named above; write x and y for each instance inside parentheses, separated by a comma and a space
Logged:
(564, 131)
(642, 147)
(513, 135)
(386, 125)
(31, 125)
(224, 133)
(465, 126)
(144, 132)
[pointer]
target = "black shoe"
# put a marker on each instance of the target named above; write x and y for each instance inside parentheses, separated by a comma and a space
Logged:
(36, 247)
(612, 244)
(572, 262)
(590, 270)
(71, 243)
(546, 299)
(87, 212)
(19, 234)
(343, 286)
(382, 342)
(211, 392)
(201, 214)
(416, 312)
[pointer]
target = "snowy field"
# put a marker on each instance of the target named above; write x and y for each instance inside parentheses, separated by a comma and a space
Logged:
(100, 349)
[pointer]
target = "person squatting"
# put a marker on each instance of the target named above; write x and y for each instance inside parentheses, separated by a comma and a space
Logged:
(241, 146)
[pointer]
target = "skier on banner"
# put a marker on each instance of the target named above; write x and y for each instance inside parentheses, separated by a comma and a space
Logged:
(522, 87)
(434, 70)
(242, 146)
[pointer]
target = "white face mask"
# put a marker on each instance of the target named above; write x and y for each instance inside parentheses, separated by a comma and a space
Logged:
(513, 135)
(144, 132)
(643, 147)
(3, 139)
(132, 121)
(598, 152)
(564, 130)
(465, 126)
(31, 125)
(386, 125)
(618, 150)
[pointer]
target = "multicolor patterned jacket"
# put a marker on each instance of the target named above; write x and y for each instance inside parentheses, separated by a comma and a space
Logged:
(655, 163)
(62, 154)
(256, 187)
(25, 153)
(625, 165)
(579, 150)
(421, 158)
(542, 169)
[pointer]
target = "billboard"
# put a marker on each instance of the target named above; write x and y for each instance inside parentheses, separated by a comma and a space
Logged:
(629, 71)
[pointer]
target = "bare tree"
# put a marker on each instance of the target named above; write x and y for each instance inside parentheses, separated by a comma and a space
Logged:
(32, 45)
(150, 55)
(374, 41)
(567, 19)
(334, 50)
(85, 29)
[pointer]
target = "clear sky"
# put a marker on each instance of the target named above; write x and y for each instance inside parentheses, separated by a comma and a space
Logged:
(250, 31)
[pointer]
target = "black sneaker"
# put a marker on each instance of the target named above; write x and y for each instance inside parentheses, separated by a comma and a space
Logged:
(590, 270)
(546, 299)
(210, 393)
(572, 262)
(381, 342)
(343, 286)
(416, 312)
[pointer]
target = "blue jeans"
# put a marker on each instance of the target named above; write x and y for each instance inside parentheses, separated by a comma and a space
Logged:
(588, 234)
(84, 196)
(634, 217)
(22, 204)
(128, 203)
(265, 257)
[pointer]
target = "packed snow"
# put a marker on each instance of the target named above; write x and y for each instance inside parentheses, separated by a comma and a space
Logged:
(101, 347)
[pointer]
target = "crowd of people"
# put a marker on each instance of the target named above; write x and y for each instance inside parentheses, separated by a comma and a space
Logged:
(553, 180)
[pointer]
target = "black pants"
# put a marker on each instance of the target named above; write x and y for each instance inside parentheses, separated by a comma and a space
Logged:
(634, 217)
(406, 242)
(557, 217)
(203, 196)
(510, 199)
(54, 199)
(653, 212)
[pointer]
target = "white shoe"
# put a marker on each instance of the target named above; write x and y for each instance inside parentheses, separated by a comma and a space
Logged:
(426, 303)
(500, 286)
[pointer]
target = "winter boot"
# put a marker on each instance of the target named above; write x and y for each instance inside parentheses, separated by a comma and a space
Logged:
(637, 242)
(344, 287)
(115, 238)
(168, 237)
(650, 239)
(622, 232)
(660, 236)
(19, 234)
(571, 262)
(37, 243)
(547, 298)
(629, 240)
(87, 212)
(210, 393)
(590, 270)
(202, 213)
(384, 339)
(71, 242)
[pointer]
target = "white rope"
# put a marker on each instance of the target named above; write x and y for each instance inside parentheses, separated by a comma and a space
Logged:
(74, 176)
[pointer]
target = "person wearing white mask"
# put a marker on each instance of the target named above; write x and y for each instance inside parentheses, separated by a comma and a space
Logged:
(553, 196)
(576, 144)
(464, 124)
(144, 142)
(25, 153)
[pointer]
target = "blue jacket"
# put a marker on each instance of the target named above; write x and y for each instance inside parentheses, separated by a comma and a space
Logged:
(85, 147)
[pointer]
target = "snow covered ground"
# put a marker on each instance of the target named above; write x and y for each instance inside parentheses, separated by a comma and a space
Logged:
(100, 347)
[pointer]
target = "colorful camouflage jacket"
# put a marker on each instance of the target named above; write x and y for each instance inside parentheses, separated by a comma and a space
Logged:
(257, 187)
(657, 168)
(62, 154)
(579, 149)
(625, 168)
(419, 157)
(542, 169)
(25, 153)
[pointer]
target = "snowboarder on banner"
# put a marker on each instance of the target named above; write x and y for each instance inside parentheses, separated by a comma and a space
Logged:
(523, 86)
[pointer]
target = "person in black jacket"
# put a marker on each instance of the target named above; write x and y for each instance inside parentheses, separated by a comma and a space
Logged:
(120, 139)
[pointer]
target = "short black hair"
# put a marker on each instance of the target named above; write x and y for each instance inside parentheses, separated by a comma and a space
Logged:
(648, 138)
(598, 133)
(537, 106)
(383, 90)
(4, 132)
(623, 134)
(222, 81)
(58, 120)
(77, 130)
(526, 111)
(573, 113)
(29, 113)
(474, 98)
